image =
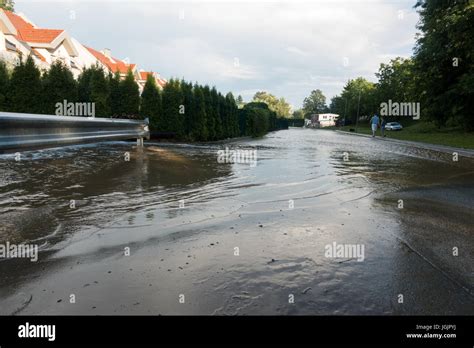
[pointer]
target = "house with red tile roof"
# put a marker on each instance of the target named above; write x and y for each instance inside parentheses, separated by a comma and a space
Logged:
(114, 65)
(19, 38)
(160, 82)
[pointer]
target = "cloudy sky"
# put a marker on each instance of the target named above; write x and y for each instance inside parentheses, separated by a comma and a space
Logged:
(287, 48)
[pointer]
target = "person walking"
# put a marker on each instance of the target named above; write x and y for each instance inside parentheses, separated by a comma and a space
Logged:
(374, 122)
(382, 126)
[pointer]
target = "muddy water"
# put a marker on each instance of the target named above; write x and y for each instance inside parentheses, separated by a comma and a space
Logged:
(173, 225)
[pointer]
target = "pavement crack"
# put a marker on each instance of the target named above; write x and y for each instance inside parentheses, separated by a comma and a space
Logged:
(23, 306)
(436, 267)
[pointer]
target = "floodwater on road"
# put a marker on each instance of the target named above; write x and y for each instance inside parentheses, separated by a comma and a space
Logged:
(173, 231)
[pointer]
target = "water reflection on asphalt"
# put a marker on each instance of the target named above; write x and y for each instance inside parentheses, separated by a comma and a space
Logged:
(183, 215)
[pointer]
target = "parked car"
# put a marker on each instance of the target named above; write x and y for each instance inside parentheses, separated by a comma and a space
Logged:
(395, 126)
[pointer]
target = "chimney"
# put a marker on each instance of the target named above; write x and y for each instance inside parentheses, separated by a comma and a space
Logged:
(107, 53)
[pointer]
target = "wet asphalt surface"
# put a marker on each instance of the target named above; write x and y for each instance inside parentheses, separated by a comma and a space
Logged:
(245, 239)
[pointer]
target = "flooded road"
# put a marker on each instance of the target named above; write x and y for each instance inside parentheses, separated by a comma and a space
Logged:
(172, 231)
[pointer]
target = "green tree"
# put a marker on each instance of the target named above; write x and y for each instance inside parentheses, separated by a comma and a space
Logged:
(188, 104)
(4, 86)
(232, 115)
(25, 94)
(173, 109)
(279, 105)
(444, 61)
(94, 86)
(199, 125)
(150, 106)
(352, 91)
(100, 92)
(130, 95)
(240, 102)
(115, 95)
(315, 103)
(83, 85)
(338, 105)
(58, 85)
(211, 114)
(218, 128)
(297, 114)
(8, 5)
(396, 82)
(257, 119)
(224, 116)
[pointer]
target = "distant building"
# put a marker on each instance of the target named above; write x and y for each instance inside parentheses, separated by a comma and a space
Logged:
(160, 82)
(114, 65)
(323, 120)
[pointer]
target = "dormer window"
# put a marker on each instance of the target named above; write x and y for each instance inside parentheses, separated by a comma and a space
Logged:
(10, 46)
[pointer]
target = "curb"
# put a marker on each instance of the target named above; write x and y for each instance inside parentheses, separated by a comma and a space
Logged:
(440, 148)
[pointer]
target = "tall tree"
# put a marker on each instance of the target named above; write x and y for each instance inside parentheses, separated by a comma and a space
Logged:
(315, 103)
(25, 88)
(396, 81)
(218, 127)
(94, 86)
(4, 86)
(100, 92)
(279, 105)
(359, 95)
(338, 106)
(130, 95)
(173, 108)
(240, 101)
(298, 114)
(257, 118)
(210, 114)
(8, 5)
(224, 116)
(115, 94)
(58, 85)
(188, 104)
(233, 116)
(199, 125)
(444, 61)
(83, 85)
(150, 106)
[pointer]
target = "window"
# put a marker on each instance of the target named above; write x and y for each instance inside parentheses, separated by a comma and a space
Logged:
(10, 46)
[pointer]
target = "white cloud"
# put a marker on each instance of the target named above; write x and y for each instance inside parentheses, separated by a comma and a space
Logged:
(196, 59)
(297, 51)
(285, 47)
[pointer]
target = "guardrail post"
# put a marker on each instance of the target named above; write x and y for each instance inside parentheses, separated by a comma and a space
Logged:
(140, 142)
(147, 128)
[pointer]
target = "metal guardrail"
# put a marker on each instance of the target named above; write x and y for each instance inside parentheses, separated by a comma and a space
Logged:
(21, 131)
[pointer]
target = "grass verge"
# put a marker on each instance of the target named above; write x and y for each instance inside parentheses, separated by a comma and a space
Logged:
(422, 133)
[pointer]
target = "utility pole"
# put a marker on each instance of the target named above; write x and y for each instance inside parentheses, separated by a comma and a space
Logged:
(358, 105)
(345, 111)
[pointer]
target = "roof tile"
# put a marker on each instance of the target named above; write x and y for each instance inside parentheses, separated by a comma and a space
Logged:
(27, 32)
